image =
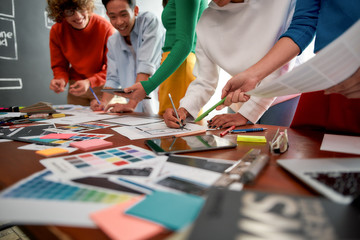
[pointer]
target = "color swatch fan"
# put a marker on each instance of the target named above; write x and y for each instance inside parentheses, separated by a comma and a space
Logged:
(40, 107)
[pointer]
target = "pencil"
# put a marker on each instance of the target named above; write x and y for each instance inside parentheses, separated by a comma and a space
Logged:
(94, 95)
(177, 116)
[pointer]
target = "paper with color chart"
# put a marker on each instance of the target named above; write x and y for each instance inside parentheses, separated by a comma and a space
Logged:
(98, 162)
(120, 226)
(155, 130)
(37, 200)
(341, 143)
(333, 64)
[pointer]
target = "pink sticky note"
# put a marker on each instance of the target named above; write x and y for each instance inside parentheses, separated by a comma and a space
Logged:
(91, 144)
(58, 136)
(119, 226)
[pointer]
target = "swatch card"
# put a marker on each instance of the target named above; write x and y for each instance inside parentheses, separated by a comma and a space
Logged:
(65, 142)
(97, 162)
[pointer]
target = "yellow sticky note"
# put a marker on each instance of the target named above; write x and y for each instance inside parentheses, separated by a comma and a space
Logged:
(247, 138)
(51, 152)
(58, 115)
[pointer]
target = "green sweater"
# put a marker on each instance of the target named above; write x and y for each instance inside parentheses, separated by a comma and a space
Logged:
(179, 18)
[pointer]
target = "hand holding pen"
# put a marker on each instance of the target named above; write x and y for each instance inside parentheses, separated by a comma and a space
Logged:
(174, 118)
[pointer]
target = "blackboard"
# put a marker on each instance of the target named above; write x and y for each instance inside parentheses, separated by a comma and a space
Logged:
(25, 72)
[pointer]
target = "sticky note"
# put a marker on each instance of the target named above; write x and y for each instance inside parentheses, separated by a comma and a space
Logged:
(91, 144)
(247, 138)
(51, 152)
(58, 136)
(172, 210)
(58, 115)
(118, 225)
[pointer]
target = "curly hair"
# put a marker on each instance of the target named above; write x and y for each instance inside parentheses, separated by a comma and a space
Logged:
(56, 8)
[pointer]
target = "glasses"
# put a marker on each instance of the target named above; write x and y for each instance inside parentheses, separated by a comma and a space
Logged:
(280, 142)
(71, 12)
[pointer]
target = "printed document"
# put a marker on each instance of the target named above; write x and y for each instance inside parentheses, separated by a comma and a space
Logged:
(332, 65)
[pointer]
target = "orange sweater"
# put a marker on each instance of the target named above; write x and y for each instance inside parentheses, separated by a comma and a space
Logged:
(80, 54)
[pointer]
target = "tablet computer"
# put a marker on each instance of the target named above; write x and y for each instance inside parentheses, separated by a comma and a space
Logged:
(118, 90)
(165, 146)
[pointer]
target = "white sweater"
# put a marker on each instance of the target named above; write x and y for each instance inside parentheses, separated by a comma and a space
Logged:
(233, 38)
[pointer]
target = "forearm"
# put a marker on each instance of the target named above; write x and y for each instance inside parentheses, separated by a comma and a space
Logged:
(106, 97)
(281, 53)
(142, 77)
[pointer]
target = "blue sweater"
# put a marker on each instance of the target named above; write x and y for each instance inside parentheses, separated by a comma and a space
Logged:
(328, 19)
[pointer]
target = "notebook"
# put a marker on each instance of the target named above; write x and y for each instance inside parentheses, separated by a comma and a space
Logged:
(336, 178)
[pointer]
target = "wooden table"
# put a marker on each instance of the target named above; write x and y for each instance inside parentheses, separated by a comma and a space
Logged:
(17, 164)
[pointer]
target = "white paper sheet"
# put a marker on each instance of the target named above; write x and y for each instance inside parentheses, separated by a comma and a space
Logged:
(54, 210)
(335, 63)
(99, 162)
(341, 143)
(132, 120)
(156, 130)
(78, 118)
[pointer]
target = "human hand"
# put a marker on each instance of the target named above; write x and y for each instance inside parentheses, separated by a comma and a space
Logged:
(227, 120)
(79, 87)
(57, 85)
(95, 106)
(120, 107)
(350, 87)
(135, 92)
(171, 119)
(235, 89)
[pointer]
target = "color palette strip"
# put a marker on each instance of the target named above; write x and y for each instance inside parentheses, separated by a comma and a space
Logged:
(37, 187)
(97, 162)
(76, 137)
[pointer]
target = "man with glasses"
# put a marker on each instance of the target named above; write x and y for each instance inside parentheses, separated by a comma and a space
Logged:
(78, 49)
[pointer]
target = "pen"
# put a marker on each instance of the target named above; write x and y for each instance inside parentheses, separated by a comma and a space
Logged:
(177, 116)
(227, 131)
(208, 111)
(94, 95)
(248, 130)
(136, 184)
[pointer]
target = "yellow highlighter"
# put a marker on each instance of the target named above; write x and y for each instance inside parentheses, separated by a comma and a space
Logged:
(246, 138)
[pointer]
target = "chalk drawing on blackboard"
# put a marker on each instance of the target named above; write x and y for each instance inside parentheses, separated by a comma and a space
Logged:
(10, 83)
(8, 44)
(7, 8)
(48, 21)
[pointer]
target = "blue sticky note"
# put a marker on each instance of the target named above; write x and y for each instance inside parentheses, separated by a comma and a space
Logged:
(172, 210)
(43, 140)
